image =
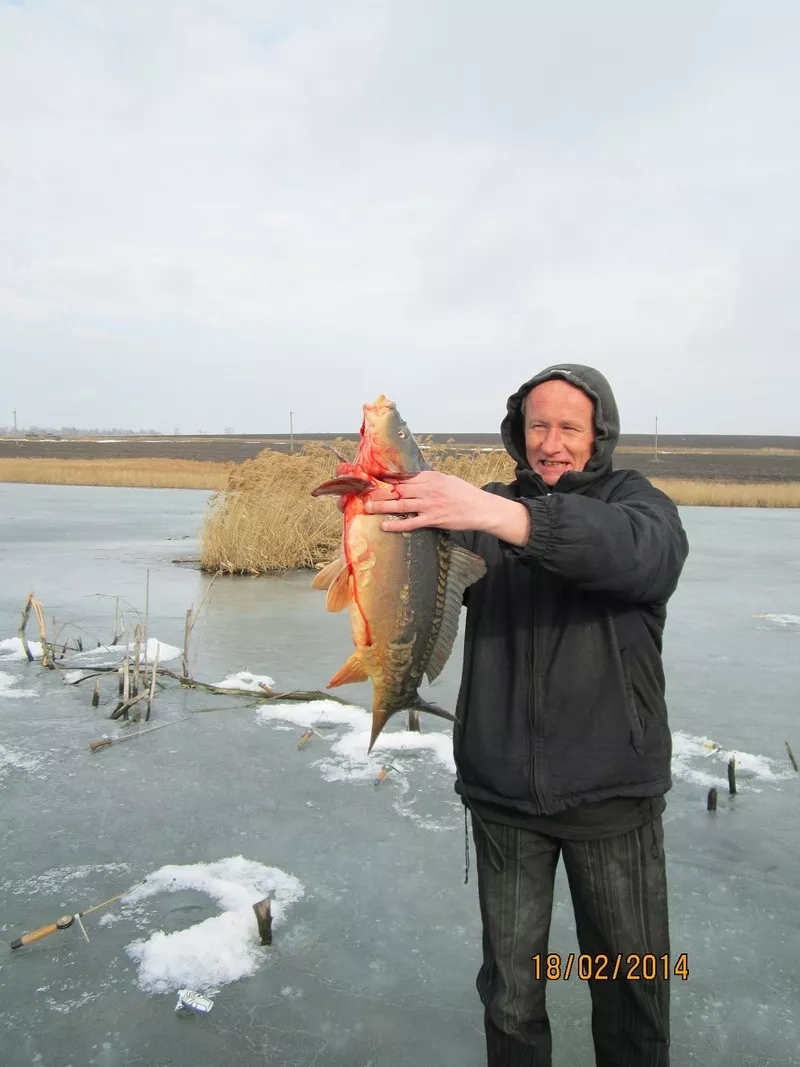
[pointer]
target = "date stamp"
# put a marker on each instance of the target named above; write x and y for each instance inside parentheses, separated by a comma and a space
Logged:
(631, 968)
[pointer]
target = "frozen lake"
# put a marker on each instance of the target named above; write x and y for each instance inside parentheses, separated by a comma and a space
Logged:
(376, 939)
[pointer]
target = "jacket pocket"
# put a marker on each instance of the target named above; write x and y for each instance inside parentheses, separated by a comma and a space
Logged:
(637, 729)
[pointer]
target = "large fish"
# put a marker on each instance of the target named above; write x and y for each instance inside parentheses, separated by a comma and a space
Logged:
(404, 590)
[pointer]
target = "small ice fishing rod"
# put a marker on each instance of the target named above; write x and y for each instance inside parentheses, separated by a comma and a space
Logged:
(65, 921)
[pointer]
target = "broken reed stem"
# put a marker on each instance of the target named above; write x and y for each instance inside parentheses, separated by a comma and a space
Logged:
(791, 755)
(47, 654)
(191, 618)
(96, 694)
(117, 631)
(187, 630)
(125, 707)
(26, 614)
(105, 742)
(732, 776)
(152, 693)
(262, 696)
(137, 651)
(146, 615)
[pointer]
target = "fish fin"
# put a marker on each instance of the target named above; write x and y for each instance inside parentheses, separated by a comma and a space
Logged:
(379, 720)
(465, 568)
(352, 671)
(350, 483)
(323, 578)
(339, 596)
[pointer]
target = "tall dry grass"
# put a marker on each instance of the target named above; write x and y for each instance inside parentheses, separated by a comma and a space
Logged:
(144, 473)
(731, 494)
(267, 520)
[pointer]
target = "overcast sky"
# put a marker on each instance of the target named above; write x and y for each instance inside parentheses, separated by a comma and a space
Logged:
(215, 211)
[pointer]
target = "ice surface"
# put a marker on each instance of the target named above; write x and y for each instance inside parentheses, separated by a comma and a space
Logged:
(375, 961)
(224, 948)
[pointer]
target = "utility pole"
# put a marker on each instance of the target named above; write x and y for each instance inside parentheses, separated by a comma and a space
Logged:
(291, 433)
(15, 420)
(656, 441)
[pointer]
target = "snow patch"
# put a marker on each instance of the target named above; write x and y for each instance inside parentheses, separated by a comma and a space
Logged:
(246, 680)
(350, 749)
(11, 649)
(787, 622)
(53, 881)
(219, 950)
(7, 683)
(116, 653)
(11, 759)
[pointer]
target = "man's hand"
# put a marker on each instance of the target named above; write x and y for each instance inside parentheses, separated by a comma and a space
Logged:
(449, 503)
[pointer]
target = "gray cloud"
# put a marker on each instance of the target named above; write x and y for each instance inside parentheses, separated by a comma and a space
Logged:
(264, 206)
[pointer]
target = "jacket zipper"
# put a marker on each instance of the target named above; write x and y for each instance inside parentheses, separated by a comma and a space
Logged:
(532, 717)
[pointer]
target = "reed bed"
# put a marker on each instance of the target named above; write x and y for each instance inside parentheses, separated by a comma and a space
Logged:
(143, 473)
(731, 494)
(266, 520)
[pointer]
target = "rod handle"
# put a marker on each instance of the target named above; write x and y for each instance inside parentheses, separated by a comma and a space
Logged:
(34, 935)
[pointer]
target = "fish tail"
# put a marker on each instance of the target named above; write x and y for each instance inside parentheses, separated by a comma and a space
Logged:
(381, 717)
(432, 709)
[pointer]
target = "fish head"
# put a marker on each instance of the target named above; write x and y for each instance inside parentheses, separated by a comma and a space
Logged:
(388, 449)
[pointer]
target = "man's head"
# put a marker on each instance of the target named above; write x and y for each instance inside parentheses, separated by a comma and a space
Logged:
(559, 429)
(562, 423)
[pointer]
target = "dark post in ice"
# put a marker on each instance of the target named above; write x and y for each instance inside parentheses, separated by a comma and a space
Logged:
(732, 776)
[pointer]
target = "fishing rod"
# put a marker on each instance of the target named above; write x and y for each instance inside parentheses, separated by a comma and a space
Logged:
(65, 921)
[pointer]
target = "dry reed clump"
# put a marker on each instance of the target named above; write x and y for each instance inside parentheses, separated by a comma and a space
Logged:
(266, 518)
(139, 473)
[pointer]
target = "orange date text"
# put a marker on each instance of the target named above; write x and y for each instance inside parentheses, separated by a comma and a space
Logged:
(599, 968)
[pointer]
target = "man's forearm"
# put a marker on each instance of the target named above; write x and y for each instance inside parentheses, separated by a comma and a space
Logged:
(507, 520)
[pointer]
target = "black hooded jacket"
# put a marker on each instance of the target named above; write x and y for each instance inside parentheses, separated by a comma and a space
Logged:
(562, 698)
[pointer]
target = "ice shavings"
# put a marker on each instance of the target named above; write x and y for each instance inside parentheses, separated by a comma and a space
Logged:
(7, 683)
(219, 950)
(787, 622)
(11, 759)
(52, 881)
(245, 680)
(705, 762)
(11, 649)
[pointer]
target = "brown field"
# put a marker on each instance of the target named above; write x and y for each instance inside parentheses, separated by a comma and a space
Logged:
(709, 459)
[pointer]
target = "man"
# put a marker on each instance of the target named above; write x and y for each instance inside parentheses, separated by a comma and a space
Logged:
(562, 745)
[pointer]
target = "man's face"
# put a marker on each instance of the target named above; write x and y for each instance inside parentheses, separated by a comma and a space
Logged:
(559, 429)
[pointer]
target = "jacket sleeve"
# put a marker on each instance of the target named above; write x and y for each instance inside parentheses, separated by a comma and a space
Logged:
(632, 547)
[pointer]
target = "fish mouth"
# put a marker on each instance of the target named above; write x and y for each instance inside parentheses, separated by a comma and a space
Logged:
(378, 410)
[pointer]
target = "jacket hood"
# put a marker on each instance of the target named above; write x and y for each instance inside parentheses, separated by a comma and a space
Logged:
(606, 424)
